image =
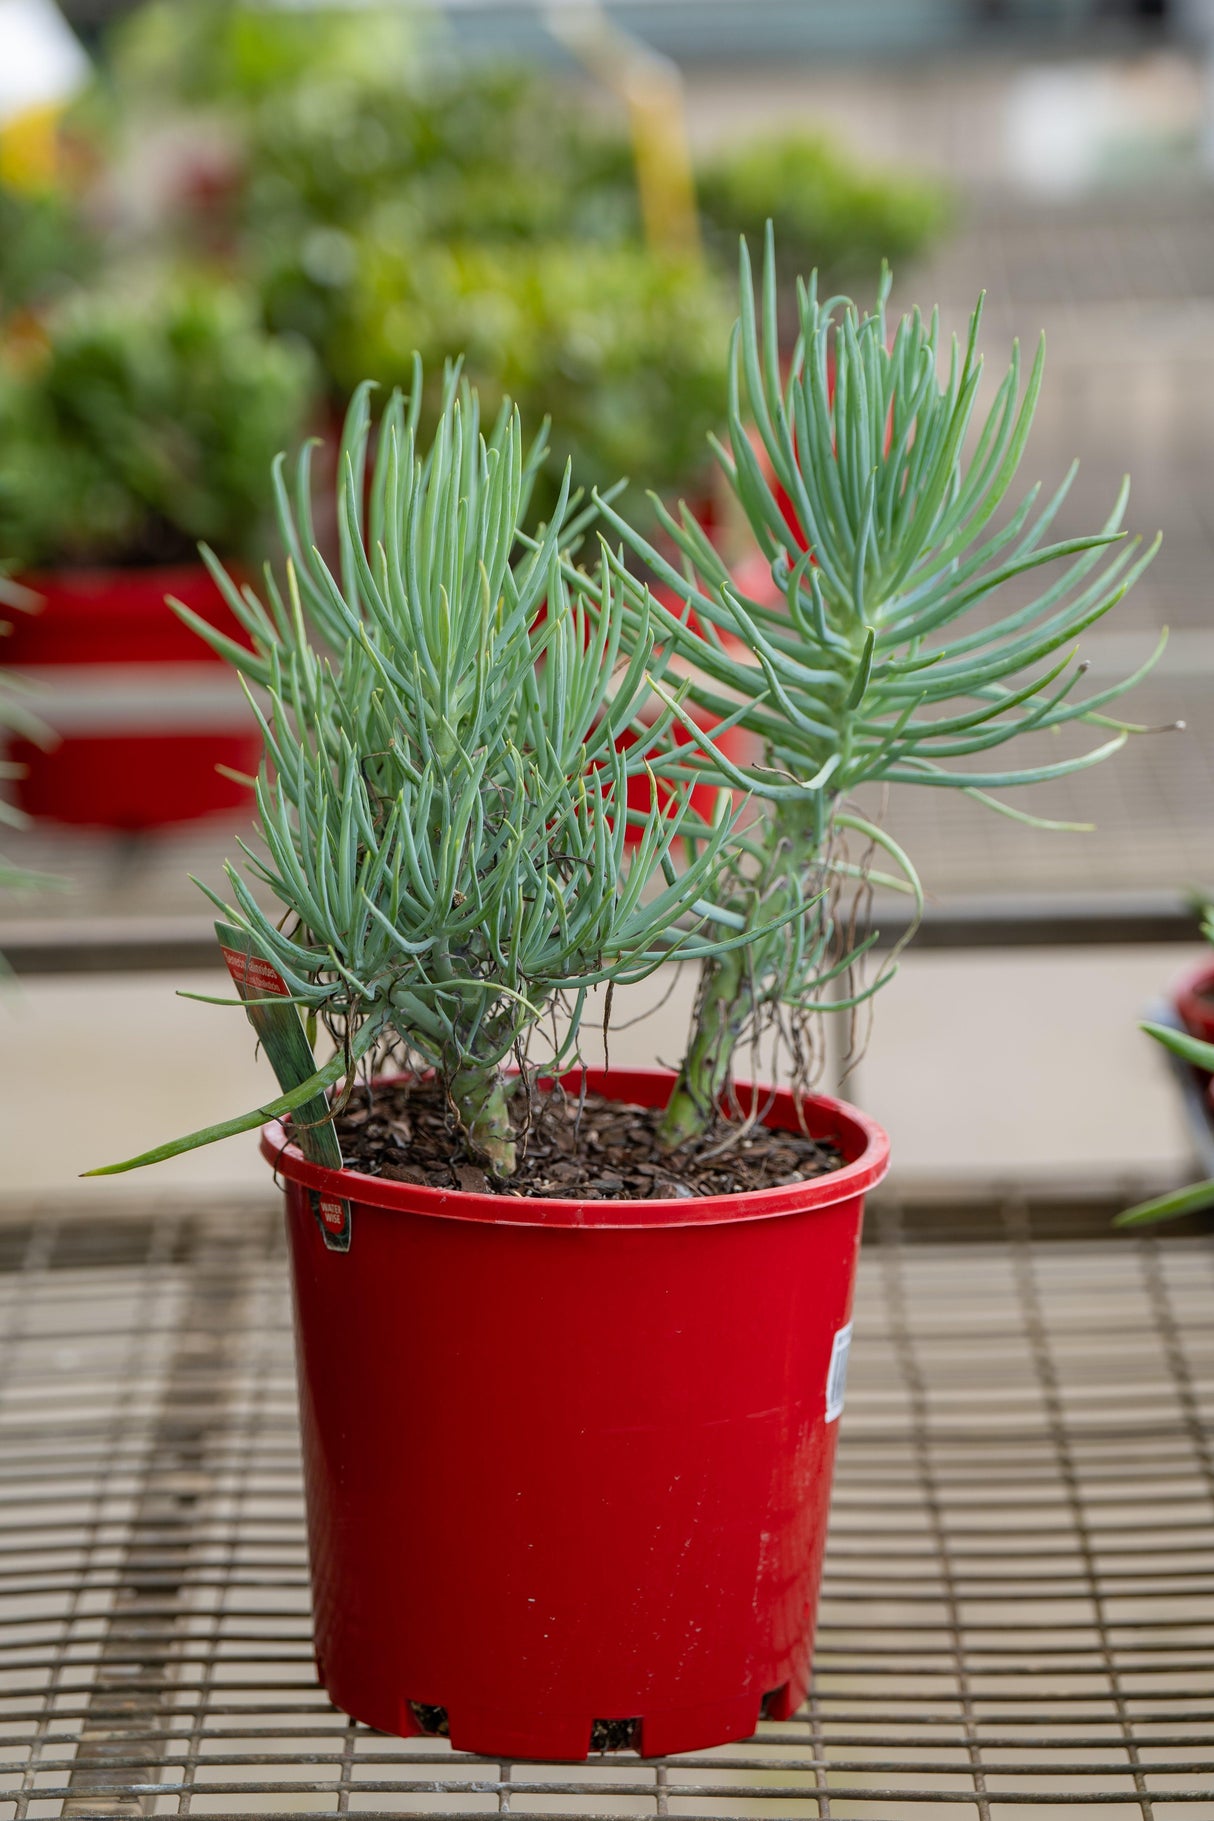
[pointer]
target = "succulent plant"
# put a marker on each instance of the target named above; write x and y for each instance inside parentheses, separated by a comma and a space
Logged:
(890, 656)
(456, 710)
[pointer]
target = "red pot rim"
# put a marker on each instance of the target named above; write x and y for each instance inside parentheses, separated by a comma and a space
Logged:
(862, 1140)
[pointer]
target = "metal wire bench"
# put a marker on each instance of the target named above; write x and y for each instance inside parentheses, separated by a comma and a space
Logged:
(1019, 1601)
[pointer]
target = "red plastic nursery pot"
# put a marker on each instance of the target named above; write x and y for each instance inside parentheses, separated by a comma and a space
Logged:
(569, 1463)
(143, 709)
(1194, 1001)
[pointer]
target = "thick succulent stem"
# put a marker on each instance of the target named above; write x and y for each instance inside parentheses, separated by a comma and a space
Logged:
(724, 1008)
(736, 986)
(479, 1098)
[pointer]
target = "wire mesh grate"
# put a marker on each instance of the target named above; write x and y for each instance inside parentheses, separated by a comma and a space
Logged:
(1019, 1604)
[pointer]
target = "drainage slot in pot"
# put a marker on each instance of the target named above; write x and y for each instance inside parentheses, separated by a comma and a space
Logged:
(614, 1735)
(774, 1702)
(431, 1720)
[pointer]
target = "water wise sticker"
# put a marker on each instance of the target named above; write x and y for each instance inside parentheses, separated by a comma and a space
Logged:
(335, 1218)
(836, 1377)
(255, 974)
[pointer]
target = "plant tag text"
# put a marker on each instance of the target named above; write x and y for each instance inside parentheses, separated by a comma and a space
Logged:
(254, 974)
(836, 1377)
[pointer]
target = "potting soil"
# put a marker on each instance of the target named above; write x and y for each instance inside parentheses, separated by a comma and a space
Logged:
(587, 1150)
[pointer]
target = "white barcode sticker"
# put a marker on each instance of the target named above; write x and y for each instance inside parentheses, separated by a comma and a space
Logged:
(836, 1377)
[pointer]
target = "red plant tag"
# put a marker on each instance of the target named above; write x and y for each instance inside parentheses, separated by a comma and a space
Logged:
(254, 974)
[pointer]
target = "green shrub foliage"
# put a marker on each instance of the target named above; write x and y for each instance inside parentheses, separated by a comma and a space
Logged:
(146, 422)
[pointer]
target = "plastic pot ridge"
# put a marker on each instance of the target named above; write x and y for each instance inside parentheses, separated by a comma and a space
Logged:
(569, 1463)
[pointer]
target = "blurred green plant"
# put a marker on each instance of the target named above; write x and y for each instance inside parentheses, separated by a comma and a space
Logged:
(443, 795)
(391, 195)
(482, 213)
(465, 151)
(46, 249)
(473, 212)
(619, 347)
(394, 201)
(146, 422)
(229, 53)
(829, 213)
(890, 658)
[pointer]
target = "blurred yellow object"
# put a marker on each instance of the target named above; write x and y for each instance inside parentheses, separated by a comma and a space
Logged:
(663, 158)
(30, 154)
(652, 90)
(43, 66)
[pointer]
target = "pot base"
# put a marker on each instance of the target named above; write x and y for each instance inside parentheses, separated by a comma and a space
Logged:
(553, 1737)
